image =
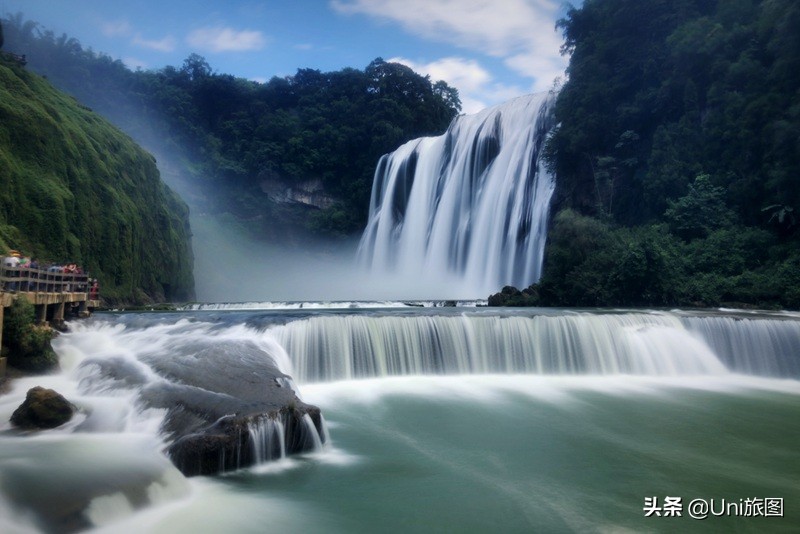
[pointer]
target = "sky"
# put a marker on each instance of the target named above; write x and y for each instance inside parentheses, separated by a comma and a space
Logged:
(490, 50)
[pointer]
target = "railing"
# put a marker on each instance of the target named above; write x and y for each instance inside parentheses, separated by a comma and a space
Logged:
(21, 60)
(24, 279)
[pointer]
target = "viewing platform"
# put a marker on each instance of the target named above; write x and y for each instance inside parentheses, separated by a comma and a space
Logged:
(52, 293)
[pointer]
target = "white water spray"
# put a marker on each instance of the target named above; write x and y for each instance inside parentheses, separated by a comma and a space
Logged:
(108, 463)
(324, 347)
(467, 209)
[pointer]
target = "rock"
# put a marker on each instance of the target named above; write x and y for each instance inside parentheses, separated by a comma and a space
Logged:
(221, 394)
(42, 409)
(228, 444)
(308, 193)
(505, 296)
(511, 296)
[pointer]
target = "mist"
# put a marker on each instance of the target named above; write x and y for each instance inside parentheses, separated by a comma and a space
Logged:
(233, 264)
(248, 250)
(230, 266)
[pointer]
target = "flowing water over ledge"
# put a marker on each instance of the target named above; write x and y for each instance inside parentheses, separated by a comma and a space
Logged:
(467, 209)
(440, 419)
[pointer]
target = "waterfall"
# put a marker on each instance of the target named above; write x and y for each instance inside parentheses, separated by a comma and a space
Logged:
(267, 439)
(268, 435)
(480, 389)
(469, 207)
(766, 347)
(335, 347)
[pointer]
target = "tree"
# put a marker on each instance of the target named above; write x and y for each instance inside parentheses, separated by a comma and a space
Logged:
(448, 94)
(196, 67)
(660, 93)
(702, 210)
(28, 344)
(232, 135)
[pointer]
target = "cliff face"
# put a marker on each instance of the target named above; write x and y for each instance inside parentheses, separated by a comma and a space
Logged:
(308, 193)
(74, 188)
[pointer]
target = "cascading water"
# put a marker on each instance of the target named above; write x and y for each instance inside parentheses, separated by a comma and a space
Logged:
(590, 392)
(765, 347)
(323, 348)
(267, 439)
(467, 209)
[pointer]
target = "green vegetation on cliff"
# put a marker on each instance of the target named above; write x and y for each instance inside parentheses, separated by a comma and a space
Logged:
(75, 188)
(677, 156)
(236, 140)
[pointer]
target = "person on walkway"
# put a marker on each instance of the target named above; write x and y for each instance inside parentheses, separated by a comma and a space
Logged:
(24, 264)
(11, 268)
(34, 274)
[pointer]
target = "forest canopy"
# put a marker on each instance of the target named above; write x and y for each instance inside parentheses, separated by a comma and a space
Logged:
(232, 135)
(677, 156)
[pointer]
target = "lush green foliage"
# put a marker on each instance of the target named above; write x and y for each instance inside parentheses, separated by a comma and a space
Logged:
(660, 92)
(700, 211)
(28, 345)
(233, 135)
(75, 188)
(678, 152)
(594, 263)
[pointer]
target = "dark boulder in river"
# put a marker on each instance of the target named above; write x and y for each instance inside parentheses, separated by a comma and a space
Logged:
(42, 409)
(236, 441)
(229, 406)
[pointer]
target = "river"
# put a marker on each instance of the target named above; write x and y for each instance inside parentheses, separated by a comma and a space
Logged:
(439, 419)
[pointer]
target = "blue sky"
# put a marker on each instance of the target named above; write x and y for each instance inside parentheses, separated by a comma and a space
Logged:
(491, 50)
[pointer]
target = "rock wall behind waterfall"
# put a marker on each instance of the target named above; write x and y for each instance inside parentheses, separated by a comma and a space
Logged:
(468, 207)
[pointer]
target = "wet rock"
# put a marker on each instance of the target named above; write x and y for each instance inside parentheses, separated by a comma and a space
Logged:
(228, 444)
(217, 397)
(42, 409)
(511, 296)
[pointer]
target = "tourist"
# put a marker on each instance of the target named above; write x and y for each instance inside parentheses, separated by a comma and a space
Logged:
(10, 265)
(70, 270)
(24, 263)
(54, 286)
(11, 262)
(34, 274)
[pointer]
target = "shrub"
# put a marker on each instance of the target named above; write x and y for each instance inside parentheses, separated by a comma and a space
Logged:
(28, 345)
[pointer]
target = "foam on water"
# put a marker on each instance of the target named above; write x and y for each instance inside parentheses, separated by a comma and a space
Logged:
(367, 346)
(491, 389)
(109, 457)
(330, 305)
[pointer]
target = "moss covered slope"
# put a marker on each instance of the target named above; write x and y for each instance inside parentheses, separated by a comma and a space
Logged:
(75, 188)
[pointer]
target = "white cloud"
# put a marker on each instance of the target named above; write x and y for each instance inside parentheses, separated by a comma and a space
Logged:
(258, 79)
(467, 74)
(303, 46)
(521, 32)
(116, 28)
(476, 87)
(544, 70)
(165, 44)
(226, 39)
